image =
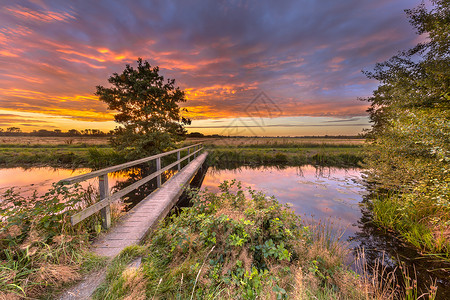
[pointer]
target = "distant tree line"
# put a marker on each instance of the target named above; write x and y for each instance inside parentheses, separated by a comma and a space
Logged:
(16, 131)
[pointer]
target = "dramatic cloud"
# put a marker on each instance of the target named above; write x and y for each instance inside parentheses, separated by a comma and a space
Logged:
(306, 55)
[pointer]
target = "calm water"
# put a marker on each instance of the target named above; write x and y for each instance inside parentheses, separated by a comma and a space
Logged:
(333, 195)
(26, 181)
(41, 179)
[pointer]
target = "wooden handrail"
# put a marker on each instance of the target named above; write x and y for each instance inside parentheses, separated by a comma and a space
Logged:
(104, 171)
(106, 199)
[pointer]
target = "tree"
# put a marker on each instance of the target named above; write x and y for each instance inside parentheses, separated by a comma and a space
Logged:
(409, 149)
(13, 130)
(410, 109)
(73, 132)
(148, 110)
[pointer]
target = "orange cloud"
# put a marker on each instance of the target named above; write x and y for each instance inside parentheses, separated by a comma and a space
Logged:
(26, 78)
(25, 13)
(77, 107)
(82, 62)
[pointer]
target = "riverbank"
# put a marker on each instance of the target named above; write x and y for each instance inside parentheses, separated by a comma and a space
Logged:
(416, 219)
(58, 156)
(96, 153)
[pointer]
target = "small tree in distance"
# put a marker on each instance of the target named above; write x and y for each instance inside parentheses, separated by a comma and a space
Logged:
(148, 111)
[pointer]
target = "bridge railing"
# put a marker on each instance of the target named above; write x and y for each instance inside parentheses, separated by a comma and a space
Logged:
(103, 205)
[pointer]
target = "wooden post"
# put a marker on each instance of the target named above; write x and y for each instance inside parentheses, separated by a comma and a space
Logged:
(195, 148)
(189, 152)
(105, 212)
(158, 167)
(178, 158)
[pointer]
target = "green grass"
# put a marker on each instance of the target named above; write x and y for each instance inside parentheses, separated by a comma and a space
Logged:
(114, 285)
(339, 156)
(73, 156)
(413, 222)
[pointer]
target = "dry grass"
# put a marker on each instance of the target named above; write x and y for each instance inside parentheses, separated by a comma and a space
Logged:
(135, 284)
(38, 140)
(9, 296)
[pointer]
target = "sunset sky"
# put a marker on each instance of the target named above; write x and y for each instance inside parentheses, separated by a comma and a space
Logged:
(248, 67)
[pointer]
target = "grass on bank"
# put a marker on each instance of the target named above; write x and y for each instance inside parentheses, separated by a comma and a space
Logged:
(329, 156)
(231, 245)
(40, 250)
(420, 221)
(223, 152)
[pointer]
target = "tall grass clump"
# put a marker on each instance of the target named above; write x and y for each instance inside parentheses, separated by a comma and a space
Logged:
(417, 217)
(40, 249)
(238, 244)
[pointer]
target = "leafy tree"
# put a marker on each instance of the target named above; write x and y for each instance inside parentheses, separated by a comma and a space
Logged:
(14, 129)
(73, 132)
(410, 110)
(148, 110)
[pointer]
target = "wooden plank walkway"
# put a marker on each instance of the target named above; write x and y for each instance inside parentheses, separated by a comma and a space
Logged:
(144, 217)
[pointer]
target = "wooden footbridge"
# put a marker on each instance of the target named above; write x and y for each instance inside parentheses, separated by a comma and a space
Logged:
(134, 226)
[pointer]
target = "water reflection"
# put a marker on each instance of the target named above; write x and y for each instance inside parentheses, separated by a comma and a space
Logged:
(27, 181)
(34, 179)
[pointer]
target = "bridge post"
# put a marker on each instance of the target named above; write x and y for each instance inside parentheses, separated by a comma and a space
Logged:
(178, 158)
(195, 148)
(189, 152)
(158, 167)
(105, 212)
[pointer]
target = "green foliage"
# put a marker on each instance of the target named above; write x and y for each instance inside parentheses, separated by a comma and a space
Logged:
(148, 110)
(248, 236)
(409, 149)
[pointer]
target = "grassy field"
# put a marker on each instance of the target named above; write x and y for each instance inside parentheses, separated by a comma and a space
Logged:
(287, 151)
(44, 140)
(95, 152)
(49, 151)
(278, 141)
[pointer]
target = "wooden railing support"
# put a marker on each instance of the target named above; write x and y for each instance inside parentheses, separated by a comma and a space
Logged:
(105, 212)
(103, 205)
(158, 167)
